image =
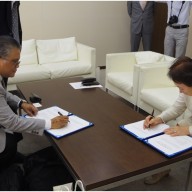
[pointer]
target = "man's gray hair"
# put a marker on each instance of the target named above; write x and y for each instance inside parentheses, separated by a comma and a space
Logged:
(7, 43)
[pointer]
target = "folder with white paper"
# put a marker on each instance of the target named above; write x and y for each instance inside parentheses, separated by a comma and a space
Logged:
(75, 123)
(136, 129)
(170, 146)
(167, 145)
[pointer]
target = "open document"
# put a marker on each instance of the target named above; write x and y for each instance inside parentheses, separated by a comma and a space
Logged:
(170, 146)
(155, 137)
(136, 129)
(75, 123)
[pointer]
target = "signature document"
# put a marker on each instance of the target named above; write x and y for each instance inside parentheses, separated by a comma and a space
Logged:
(75, 123)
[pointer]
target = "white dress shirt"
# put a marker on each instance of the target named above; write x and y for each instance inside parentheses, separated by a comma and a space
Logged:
(182, 103)
(183, 18)
(143, 4)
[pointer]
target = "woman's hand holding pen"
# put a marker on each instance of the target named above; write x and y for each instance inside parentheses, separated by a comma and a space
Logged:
(59, 122)
(151, 121)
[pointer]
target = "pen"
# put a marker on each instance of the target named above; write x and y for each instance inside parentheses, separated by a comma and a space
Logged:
(152, 116)
(61, 114)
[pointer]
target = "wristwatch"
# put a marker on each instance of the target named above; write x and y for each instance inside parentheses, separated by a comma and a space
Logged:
(21, 102)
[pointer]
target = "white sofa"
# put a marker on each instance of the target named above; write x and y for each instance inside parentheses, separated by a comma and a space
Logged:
(54, 58)
(122, 71)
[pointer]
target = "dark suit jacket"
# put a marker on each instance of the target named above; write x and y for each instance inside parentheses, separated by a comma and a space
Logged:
(141, 20)
(6, 19)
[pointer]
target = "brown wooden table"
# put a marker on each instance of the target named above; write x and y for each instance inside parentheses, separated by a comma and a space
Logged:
(102, 156)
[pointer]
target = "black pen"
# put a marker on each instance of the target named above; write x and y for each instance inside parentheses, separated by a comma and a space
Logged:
(152, 116)
(61, 114)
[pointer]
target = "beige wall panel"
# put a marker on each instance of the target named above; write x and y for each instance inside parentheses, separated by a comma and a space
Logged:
(104, 25)
(100, 24)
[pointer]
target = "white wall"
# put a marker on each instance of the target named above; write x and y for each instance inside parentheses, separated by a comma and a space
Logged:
(100, 24)
(189, 45)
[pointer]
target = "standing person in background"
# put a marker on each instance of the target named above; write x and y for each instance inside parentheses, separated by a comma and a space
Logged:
(10, 21)
(177, 31)
(141, 14)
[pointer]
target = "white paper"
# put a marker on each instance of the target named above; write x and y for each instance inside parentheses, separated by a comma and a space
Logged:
(78, 85)
(74, 125)
(37, 105)
(49, 113)
(171, 145)
(138, 130)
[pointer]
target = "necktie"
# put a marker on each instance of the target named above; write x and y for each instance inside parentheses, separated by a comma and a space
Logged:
(3, 83)
(15, 19)
(143, 4)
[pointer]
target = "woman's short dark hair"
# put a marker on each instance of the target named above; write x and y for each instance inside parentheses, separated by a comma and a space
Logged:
(181, 71)
(7, 43)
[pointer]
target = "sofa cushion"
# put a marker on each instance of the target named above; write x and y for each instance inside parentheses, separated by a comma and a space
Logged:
(148, 57)
(30, 73)
(28, 52)
(122, 80)
(160, 98)
(68, 68)
(56, 50)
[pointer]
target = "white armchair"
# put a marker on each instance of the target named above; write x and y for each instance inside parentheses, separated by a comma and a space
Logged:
(122, 71)
(155, 91)
(119, 75)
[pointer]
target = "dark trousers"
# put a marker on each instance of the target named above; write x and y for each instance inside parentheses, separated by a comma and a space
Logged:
(10, 151)
(8, 155)
(136, 39)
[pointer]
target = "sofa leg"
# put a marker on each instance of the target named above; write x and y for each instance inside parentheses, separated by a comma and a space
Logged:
(138, 109)
(106, 90)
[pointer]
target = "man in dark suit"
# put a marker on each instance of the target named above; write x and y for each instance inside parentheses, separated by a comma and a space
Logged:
(141, 14)
(7, 17)
(9, 121)
(10, 21)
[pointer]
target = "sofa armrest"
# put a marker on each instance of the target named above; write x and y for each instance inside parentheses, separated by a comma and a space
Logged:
(120, 62)
(154, 77)
(154, 88)
(87, 55)
(169, 58)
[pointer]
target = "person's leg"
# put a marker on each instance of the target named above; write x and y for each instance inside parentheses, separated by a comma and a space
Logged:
(146, 39)
(135, 42)
(181, 37)
(8, 155)
(169, 42)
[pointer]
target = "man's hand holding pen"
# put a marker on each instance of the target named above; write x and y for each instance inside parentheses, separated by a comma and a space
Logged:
(59, 121)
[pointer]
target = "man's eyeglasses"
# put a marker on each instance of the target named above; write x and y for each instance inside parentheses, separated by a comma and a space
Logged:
(13, 62)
